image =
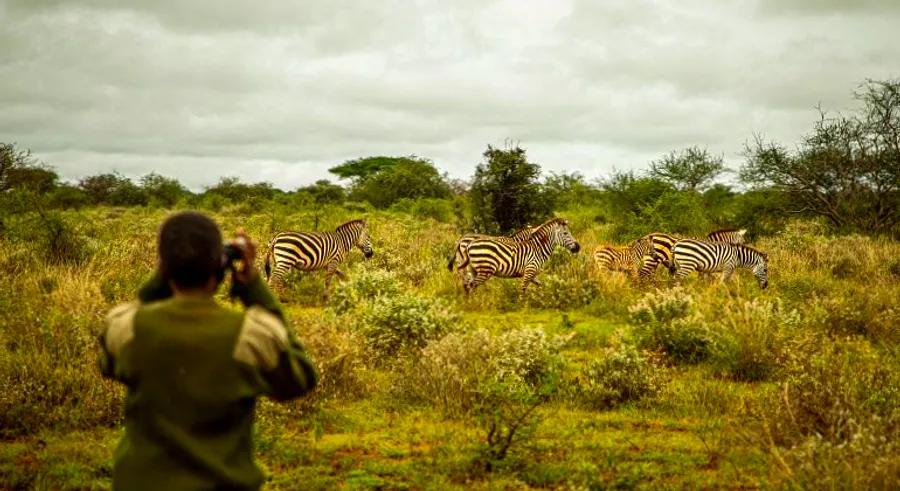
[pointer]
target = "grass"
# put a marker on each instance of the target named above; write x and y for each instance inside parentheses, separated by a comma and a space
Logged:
(726, 421)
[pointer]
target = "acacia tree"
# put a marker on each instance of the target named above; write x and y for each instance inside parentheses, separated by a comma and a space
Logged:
(505, 192)
(690, 169)
(846, 170)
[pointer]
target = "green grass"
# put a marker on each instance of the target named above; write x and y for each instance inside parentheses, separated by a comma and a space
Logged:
(704, 428)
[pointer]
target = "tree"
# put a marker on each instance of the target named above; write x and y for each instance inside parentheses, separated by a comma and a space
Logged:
(324, 192)
(691, 169)
(846, 170)
(362, 168)
(20, 170)
(162, 191)
(112, 189)
(233, 190)
(566, 190)
(405, 178)
(505, 192)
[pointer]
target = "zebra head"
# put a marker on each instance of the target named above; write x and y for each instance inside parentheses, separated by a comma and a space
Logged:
(761, 270)
(363, 242)
(561, 236)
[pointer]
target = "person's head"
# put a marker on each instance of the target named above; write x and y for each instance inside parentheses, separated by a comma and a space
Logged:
(190, 252)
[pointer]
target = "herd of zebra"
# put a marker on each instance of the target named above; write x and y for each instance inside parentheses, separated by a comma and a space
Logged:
(479, 257)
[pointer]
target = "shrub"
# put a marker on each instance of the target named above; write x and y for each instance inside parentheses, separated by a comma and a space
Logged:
(836, 417)
(665, 321)
(363, 286)
(751, 339)
(862, 311)
(622, 374)
(397, 325)
(662, 306)
(558, 292)
(459, 372)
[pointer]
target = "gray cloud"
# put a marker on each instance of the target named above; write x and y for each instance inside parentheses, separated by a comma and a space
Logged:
(281, 91)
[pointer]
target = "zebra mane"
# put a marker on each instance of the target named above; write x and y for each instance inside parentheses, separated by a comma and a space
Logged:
(740, 231)
(751, 249)
(351, 223)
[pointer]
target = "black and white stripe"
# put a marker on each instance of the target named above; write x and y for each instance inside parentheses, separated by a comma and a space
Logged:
(310, 251)
(628, 258)
(460, 254)
(507, 258)
(663, 243)
(704, 256)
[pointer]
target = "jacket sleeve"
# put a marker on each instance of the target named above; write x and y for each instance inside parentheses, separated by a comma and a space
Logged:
(256, 292)
(266, 344)
(114, 339)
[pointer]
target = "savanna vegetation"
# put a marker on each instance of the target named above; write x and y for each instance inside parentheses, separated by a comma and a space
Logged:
(592, 381)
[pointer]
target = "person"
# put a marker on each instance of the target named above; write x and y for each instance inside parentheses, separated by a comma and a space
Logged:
(194, 369)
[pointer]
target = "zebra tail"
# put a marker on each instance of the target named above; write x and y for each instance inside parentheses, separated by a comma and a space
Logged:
(452, 260)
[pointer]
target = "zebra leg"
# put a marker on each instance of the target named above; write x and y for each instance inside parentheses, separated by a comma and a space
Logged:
(527, 277)
(727, 271)
(476, 281)
(330, 272)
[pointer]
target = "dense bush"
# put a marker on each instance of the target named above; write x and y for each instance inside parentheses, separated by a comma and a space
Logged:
(837, 417)
(665, 321)
(461, 371)
(393, 326)
(621, 374)
(751, 339)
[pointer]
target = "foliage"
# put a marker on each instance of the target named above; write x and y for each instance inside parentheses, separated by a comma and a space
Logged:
(112, 189)
(363, 168)
(394, 326)
(846, 170)
(20, 170)
(231, 190)
(620, 374)
(506, 194)
(569, 190)
(666, 321)
(834, 422)
(406, 178)
(163, 191)
(690, 169)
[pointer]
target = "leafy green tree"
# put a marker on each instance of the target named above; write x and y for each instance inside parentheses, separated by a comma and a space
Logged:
(162, 191)
(20, 170)
(324, 192)
(363, 168)
(112, 189)
(846, 170)
(506, 194)
(406, 178)
(691, 169)
(233, 190)
(566, 190)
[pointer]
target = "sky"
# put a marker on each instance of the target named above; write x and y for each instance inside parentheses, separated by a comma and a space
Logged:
(280, 91)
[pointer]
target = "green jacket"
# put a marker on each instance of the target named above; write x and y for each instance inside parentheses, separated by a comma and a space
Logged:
(194, 370)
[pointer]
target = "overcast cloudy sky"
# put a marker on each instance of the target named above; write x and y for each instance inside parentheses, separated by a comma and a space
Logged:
(282, 90)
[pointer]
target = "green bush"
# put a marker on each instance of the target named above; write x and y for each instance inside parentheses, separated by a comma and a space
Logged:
(364, 286)
(751, 339)
(461, 371)
(393, 326)
(621, 375)
(836, 418)
(665, 321)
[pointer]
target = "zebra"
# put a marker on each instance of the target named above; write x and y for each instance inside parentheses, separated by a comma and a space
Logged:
(699, 255)
(628, 258)
(662, 246)
(310, 251)
(506, 258)
(460, 255)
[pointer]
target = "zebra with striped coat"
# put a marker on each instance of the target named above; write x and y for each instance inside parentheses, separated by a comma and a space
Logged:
(506, 258)
(310, 251)
(663, 243)
(628, 259)
(461, 255)
(704, 256)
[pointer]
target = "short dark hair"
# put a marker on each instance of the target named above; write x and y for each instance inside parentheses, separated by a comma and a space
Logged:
(190, 249)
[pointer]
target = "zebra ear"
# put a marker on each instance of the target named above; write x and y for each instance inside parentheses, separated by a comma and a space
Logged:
(742, 232)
